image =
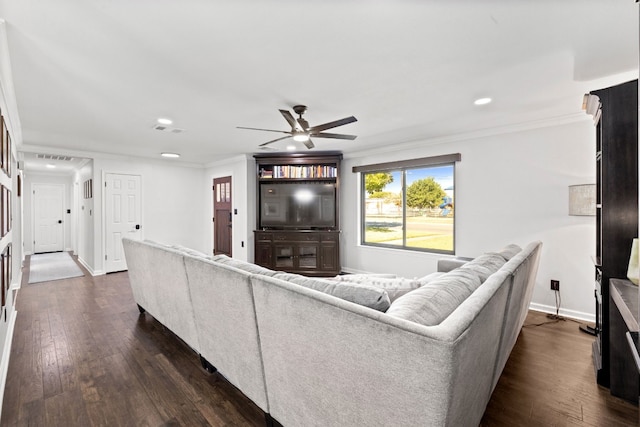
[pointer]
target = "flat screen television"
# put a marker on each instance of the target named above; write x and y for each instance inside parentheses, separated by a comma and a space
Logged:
(298, 205)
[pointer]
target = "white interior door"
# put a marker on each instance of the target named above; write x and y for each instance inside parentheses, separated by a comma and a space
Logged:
(123, 216)
(48, 213)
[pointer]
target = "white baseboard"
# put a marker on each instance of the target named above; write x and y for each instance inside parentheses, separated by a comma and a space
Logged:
(89, 269)
(4, 362)
(85, 265)
(578, 315)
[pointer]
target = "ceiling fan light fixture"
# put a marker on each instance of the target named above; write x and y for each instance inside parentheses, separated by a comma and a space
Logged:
(301, 137)
(482, 101)
(164, 121)
(170, 155)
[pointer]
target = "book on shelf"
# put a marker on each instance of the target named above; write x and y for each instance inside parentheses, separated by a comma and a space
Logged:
(304, 172)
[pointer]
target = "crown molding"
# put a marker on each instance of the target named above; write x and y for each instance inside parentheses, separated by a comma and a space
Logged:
(476, 134)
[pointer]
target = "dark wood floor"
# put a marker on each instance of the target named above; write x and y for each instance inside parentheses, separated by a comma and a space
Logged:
(83, 356)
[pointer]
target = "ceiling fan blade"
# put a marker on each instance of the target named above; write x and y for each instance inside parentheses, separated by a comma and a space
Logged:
(333, 124)
(334, 136)
(303, 123)
(309, 144)
(289, 118)
(266, 130)
(273, 140)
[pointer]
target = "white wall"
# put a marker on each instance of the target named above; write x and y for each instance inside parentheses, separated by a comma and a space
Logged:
(31, 179)
(83, 212)
(173, 206)
(510, 188)
(242, 171)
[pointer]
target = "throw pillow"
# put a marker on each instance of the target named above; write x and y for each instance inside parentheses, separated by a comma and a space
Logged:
(424, 280)
(395, 286)
(434, 302)
(484, 265)
(364, 295)
(509, 251)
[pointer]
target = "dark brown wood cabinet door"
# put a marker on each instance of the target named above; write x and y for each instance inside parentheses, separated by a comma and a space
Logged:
(222, 216)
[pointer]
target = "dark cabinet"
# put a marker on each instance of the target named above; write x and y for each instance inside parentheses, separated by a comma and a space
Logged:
(304, 252)
(615, 111)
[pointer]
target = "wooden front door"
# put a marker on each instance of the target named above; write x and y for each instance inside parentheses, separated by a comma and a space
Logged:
(222, 216)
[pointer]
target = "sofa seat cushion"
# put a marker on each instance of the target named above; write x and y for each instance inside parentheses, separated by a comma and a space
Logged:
(395, 286)
(430, 304)
(365, 295)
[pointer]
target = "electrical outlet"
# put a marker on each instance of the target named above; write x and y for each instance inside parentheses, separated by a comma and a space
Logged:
(555, 285)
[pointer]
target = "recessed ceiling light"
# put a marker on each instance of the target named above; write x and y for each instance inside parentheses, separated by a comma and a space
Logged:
(291, 147)
(482, 101)
(51, 166)
(170, 155)
(164, 121)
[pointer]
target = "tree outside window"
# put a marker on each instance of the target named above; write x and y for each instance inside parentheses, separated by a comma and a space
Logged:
(410, 208)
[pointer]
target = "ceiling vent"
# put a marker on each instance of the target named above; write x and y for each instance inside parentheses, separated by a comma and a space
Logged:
(168, 129)
(54, 157)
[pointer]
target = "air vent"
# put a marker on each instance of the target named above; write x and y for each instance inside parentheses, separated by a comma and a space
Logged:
(54, 157)
(165, 128)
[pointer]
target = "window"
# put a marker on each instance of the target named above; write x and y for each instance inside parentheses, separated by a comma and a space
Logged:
(410, 205)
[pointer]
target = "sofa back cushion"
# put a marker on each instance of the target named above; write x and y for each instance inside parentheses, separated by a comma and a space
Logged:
(433, 302)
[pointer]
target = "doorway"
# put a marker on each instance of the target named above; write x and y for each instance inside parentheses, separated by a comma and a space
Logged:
(122, 217)
(48, 214)
(222, 216)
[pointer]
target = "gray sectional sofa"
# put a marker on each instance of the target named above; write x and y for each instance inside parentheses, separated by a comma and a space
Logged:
(355, 350)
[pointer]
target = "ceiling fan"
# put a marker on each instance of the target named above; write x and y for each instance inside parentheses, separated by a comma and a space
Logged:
(302, 132)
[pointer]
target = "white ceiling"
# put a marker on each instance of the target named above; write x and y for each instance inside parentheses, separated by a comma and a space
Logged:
(93, 75)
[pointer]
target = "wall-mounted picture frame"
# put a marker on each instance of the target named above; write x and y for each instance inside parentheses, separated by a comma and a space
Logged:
(3, 135)
(3, 211)
(8, 269)
(9, 156)
(4, 274)
(5, 208)
(9, 214)
(6, 155)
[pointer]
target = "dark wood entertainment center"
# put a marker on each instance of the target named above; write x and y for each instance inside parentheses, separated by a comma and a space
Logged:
(616, 218)
(297, 218)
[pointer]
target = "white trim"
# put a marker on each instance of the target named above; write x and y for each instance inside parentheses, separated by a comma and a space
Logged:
(4, 363)
(579, 315)
(483, 133)
(89, 269)
(93, 155)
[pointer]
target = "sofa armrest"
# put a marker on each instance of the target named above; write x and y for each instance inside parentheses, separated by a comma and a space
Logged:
(447, 264)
